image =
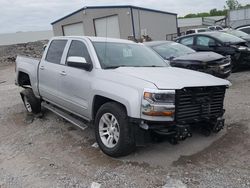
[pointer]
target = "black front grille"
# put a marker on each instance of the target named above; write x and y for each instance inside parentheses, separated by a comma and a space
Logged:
(200, 103)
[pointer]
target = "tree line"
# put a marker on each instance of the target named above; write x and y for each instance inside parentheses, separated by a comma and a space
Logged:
(230, 5)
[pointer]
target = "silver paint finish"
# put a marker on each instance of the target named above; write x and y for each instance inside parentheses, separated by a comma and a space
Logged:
(75, 91)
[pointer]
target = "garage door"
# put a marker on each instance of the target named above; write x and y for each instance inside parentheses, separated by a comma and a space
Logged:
(107, 27)
(73, 29)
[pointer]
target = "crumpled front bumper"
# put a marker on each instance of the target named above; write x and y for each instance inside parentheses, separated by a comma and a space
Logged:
(223, 69)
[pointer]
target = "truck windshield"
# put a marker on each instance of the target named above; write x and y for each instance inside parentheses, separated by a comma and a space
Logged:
(114, 55)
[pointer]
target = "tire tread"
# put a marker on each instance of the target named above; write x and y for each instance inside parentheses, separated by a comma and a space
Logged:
(34, 102)
(126, 143)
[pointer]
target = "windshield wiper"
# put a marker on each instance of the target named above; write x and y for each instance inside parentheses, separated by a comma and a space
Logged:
(117, 66)
(114, 67)
(152, 66)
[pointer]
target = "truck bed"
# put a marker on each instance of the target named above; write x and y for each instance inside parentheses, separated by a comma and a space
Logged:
(28, 66)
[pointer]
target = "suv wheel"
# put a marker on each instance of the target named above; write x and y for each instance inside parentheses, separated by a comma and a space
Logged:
(112, 130)
(31, 103)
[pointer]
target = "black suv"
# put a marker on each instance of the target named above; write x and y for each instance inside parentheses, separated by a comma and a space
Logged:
(222, 43)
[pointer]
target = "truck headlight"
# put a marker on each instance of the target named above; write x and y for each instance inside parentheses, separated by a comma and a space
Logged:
(159, 97)
(158, 103)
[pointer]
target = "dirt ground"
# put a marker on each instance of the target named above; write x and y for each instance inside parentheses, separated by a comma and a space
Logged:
(50, 152)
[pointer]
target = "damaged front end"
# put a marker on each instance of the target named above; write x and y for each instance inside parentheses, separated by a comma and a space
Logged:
(200, 107)
(220, 67)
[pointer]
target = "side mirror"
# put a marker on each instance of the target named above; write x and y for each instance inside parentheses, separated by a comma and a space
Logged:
(79, 62)
(227, 44)
(44, 46)
(170, 58)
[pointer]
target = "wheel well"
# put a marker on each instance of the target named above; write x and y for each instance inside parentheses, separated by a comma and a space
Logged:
(23, 79)
(99, 101)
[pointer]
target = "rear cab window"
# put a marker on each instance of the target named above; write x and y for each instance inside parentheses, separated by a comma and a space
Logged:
(55, 51)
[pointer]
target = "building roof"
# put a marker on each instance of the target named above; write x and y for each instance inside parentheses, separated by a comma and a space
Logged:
(114, 6)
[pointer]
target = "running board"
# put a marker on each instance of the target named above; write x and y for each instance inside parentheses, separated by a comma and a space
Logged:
(65, 115)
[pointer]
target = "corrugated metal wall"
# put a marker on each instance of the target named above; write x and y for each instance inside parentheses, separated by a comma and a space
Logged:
(239, 17)
(88, 16)
(155, 24)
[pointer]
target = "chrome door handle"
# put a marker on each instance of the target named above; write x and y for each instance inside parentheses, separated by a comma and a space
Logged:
(42, 67)
(63, 73)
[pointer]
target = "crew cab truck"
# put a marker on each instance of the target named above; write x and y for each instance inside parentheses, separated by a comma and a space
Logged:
(122, 88)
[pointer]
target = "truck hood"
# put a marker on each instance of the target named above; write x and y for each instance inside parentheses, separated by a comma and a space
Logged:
(199, 56)
(172, 78)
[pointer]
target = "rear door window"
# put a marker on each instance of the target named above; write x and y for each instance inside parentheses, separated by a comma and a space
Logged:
(188, 41)
(55, 51)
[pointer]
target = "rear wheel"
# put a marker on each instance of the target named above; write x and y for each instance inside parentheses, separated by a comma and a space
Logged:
(31, 103)
(113, 133)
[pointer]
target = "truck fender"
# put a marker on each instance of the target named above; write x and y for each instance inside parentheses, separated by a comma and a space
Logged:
(130, 98)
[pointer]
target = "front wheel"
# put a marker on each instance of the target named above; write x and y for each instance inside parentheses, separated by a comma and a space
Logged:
(113, 133)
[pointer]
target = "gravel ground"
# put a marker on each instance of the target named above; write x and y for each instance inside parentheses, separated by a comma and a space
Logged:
(49, 152)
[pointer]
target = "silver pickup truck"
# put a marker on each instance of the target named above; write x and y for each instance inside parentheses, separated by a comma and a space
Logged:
(124, 89)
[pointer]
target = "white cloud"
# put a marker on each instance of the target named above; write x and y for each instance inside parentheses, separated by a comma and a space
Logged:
(31, 15)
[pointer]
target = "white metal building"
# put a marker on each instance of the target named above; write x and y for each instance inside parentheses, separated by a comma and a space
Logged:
(238, 18)
(202, 22)
(117, 22)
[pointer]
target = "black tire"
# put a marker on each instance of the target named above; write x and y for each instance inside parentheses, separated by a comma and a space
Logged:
(235, 69)
(225, 75)
(126, 143)
(235, 66)
(34, 102)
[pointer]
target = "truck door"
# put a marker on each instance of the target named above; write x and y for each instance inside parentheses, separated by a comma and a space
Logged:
(205, 43)
(49, 71)
(75, 88)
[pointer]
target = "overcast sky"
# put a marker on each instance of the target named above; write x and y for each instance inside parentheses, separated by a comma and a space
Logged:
(33, 15)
